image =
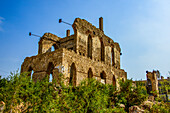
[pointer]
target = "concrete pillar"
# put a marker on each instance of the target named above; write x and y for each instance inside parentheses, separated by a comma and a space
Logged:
(68, 33)
(101, 23)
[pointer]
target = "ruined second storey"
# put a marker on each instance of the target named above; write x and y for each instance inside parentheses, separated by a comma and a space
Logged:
(87, 40)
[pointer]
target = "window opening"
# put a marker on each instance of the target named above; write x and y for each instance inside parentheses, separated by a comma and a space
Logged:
(103, 77)
(102, 51)
(72, 80)
(89, 47)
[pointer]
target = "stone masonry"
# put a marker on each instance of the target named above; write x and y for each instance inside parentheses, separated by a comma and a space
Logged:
(88, 53)
(152, 83)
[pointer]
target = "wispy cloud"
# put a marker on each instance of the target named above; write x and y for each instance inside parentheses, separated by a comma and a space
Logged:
(1, 22)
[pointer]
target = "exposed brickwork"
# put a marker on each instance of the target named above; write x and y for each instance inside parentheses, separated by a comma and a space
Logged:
(87, 53)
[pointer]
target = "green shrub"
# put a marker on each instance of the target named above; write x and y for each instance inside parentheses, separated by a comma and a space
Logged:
(37, 96)
(160, 108)
(89, 96)
(129, 94)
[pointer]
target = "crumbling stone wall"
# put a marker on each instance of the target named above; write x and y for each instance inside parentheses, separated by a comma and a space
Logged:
(152, 83)
(83, 30)
(62, 59)
(89, 53)
(67, 42)
(47, 41)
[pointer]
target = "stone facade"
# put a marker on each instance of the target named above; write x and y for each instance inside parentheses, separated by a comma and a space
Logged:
(88, 53)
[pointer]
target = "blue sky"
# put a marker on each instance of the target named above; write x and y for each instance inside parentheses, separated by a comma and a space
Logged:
(141, 27)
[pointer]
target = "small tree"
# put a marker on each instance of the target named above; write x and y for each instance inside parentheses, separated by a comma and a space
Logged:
(21, 90)
(164, 88)
(129, 94)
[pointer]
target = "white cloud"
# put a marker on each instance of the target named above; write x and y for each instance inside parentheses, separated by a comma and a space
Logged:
(1, 22)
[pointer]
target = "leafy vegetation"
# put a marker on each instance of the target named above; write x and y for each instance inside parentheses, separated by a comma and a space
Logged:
(129, 94)
(160, 108)
(164, 89)
(20, 93)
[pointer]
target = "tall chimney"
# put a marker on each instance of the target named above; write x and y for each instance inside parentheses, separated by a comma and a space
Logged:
(101, 23)
(68, 33)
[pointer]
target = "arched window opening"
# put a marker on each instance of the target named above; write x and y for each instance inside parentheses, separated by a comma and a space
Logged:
(149, 82)
(103, 77)
(89, 53)
(114, 81)
(50, 78)
(90, 73)
(31, 72)
(102, 51)
(149, 86)
(50, 71)
(123, 80)
(52, 48)
(112, 57)
(73, 78)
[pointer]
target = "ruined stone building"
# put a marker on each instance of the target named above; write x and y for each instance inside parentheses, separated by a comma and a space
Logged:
(88, 53)
(152, 83)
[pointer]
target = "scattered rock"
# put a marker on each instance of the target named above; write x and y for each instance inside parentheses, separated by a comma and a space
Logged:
(135, 109)
(121, 105)
(147, 105)
(2, 106)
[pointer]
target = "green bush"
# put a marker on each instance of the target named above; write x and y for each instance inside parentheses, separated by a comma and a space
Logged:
(160, 108)
(37, 96)
(89, 96)
(129, 94)
(164, 89)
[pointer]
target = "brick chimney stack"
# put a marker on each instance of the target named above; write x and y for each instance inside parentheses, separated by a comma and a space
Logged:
(101, 23)
(68, 33)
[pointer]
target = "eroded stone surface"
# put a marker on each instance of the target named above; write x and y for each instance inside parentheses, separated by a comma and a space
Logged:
(152, 83)
(85, 54)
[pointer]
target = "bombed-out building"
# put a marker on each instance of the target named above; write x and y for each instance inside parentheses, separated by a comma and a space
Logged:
(88, 53)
